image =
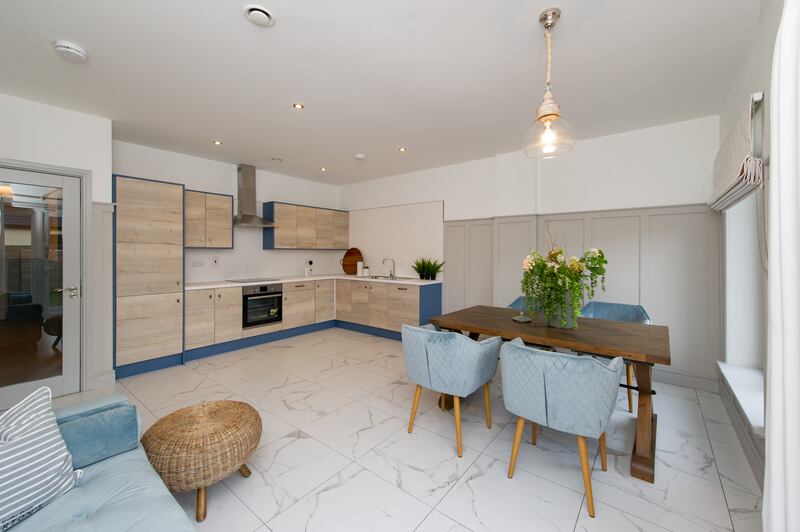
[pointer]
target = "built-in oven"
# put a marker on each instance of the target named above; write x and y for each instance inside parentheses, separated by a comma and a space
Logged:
(262, 305)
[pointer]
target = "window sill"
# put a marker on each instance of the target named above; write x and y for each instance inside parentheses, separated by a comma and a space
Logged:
(747, 385)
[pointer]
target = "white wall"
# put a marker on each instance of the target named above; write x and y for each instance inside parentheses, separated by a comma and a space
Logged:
(247, 259)
(653, 167)
(47, 135)
(34, 132)
(396, 232)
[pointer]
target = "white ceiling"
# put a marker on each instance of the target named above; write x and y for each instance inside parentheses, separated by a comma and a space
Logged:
(453, 80)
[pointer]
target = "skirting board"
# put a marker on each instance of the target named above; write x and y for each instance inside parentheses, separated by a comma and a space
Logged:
(752, 444)
(688, 381)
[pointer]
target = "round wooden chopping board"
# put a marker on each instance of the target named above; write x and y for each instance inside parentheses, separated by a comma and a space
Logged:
(349, 262)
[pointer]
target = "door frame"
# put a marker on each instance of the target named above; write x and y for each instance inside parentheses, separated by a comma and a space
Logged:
(87, 290)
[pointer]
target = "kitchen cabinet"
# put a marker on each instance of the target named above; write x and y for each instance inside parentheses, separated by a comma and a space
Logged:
(199, 318)
(359, 302)
(302, 227)
(377, 305)
(209, 220)
(306, 227)
(341, 230)
(147, 268)
(402, 306)
(325, 229)
(343, 300)
(149, 255)
(323, 301)
(299, 306)
(227, 314)
(195, 216)
(219, 221)
(148, 326)
(148, 211)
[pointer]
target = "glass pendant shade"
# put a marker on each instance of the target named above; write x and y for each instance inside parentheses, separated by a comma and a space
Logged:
(548, 137)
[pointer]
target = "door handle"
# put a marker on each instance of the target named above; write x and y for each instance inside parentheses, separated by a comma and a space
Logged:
(73, 292)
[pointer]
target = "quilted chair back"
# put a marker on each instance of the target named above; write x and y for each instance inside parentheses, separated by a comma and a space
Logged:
(448, 362)
(570, 393)
(616, 312)
(519, 304)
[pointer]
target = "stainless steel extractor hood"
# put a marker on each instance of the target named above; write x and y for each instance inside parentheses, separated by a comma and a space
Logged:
(246, 214)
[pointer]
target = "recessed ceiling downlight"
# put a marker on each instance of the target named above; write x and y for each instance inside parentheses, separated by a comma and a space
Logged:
(258, 15)
(70, 51)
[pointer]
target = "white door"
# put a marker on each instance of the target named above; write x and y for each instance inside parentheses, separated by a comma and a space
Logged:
(40, 291)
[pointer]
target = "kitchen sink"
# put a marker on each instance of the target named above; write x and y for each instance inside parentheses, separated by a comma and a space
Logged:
(388, 278)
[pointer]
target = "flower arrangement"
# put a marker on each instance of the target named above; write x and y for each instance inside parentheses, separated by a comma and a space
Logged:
(556, 285)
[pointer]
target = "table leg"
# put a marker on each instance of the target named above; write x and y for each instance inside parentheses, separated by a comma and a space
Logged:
(644, 447)
(201, 505)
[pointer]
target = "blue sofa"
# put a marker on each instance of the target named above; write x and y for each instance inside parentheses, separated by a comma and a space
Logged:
(119, 490)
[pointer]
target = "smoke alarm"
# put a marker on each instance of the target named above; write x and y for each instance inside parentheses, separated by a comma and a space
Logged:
(70, 51)
(258, 16)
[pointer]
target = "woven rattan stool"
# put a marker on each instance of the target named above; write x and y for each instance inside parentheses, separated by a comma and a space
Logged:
(197, 446)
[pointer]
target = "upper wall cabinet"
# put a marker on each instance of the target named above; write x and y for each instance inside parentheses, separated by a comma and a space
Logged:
(301, 227)
(209, 220)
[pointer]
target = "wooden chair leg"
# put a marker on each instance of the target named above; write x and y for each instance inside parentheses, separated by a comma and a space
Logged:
(487, 405)
(587, 478)
(603, 456)
(245, 471)
(534, 433)
(515, 447)
(200, 514)
(414, 407)
(457, 410)
(629, 379)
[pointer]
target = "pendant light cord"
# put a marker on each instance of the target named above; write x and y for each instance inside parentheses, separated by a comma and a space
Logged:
(549, 38)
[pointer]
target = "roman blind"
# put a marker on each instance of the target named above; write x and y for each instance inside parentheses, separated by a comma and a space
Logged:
(738, 168)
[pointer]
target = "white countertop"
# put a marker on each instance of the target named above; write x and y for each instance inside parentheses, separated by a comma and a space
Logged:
(228, 284)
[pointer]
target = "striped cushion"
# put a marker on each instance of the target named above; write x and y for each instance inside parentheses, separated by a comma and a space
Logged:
(35, 465)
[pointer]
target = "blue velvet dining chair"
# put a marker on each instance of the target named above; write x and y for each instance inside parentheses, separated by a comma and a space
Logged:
(570, 393)
(449, 363)
(519, 304)
(618, 312)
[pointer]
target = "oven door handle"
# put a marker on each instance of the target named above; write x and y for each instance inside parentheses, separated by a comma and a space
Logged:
(278, 295)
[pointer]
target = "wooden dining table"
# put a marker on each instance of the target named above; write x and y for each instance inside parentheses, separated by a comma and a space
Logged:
(639, 344)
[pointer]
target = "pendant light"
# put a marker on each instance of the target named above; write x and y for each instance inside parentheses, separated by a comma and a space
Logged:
(551, 134)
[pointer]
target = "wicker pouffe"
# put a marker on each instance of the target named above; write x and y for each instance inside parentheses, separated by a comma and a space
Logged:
(194, 447)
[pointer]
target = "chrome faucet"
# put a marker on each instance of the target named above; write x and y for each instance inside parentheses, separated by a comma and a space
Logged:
(391, 270)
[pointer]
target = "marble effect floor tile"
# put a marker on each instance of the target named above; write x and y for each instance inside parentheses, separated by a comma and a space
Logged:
(354, 500)
(734, 468)
(224, 511)
(230, 372)
(436, 522)
(720, 428)
(356, 382)
(676, 501)
(283, 472)
(354, 429)
(422, 464)
(305, 402)
(485, 499)
(473, 424)
(609, 519)
(397, 397)
(686, 452)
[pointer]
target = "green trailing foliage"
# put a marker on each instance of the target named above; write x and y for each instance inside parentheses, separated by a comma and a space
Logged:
(557, 286)
(427, 268)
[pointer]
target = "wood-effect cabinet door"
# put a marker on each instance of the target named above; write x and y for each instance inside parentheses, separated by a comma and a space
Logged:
(195, 216)
(343, 300)
(359, 302)
(306, 227)
(286, 222)
(219, 221)
(199, 318)
(298, 308)
(341, 230)
(146, 268)
(377, 304)
(227, 314)
(148, 327)
(148, 211)
(325, 233)
(402, 306)
(323, 302)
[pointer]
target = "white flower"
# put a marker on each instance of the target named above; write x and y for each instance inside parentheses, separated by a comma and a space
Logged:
(594, 252)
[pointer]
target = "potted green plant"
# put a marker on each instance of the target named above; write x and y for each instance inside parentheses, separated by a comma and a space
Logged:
(427, 268)
(556, 285)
